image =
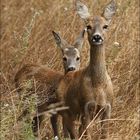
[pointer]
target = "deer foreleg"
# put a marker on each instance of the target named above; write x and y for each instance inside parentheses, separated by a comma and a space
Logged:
(69, 126)
(105, 122)
(89, 112)
(55, 126)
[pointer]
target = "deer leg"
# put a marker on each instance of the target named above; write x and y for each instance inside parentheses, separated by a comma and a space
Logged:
(89, 112)
(36, 124)
(65, 131)
(90, 108)
(69, 126)
(83, 126)
(55, 126)
(105, 123)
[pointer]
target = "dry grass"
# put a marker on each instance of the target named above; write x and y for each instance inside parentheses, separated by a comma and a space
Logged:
(26, 38)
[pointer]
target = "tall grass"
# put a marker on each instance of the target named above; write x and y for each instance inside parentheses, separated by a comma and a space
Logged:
(26, 38)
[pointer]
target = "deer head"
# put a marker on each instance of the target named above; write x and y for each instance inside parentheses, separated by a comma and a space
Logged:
(98, 25)
(71, 53)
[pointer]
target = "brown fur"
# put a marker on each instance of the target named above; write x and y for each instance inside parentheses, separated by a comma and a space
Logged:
(91, 86)
(45, 79)
(82, 88)
(40, 80)
(43, 83)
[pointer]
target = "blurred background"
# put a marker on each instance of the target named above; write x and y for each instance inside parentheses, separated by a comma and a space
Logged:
(26, 37)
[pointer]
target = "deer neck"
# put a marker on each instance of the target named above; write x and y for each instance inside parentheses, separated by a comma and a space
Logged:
(97, 66)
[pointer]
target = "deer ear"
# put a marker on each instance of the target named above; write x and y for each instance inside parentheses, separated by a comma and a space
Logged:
(109, 10)
(61, 43)
(82, 10)
(57, 38)
(79, 41)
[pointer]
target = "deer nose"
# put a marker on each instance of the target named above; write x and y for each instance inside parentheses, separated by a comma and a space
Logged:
(97, 38)
(71, 69)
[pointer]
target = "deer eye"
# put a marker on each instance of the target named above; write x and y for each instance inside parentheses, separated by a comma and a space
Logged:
(89, 27)
(78, 58)
(64, 59)
(105, 27)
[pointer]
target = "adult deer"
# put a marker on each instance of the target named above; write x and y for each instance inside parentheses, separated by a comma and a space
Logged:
(89, 88)
(46, 80)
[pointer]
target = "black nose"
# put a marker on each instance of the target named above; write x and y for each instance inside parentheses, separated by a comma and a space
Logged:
(71, 69)
(97, 38)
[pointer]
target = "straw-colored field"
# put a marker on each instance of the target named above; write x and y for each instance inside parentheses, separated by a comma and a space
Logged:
(26, 37)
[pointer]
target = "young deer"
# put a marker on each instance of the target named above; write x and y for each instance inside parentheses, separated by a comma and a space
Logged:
(47, 80)
(89, 91)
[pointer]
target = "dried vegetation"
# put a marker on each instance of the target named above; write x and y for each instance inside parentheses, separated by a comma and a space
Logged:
(26, 38)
